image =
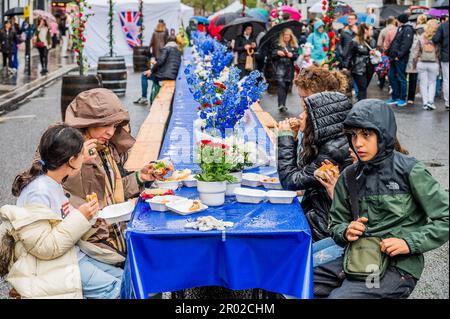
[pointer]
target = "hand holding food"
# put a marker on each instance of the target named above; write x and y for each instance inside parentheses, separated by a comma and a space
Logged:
(90, 208)
(326, 170)
(284, 125)
(89, 150)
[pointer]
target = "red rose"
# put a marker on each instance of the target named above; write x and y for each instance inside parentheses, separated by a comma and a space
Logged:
(324, 8)
(219, 102)
(325, 49)
(84, 39)
(327, 19)
(80, 15)
(331, 35)
(324, 2)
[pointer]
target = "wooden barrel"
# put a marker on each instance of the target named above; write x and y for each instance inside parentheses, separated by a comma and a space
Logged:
(140, 58)
(113, 71)
(72, 85)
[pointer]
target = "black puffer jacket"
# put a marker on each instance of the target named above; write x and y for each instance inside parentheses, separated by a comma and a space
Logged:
(168, 63)
(327, 112)
(358, 57)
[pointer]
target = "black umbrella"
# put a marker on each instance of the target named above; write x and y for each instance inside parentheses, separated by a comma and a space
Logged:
(226, 18)
(273, 34)
(17, 11)
(440, 4)
(235, 28)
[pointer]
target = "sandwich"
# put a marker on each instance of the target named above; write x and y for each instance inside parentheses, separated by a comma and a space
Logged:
(330, 168)
(91, 197)
(179, 175)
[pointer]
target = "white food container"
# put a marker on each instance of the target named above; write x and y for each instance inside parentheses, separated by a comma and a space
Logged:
(173, 185)
(117, 213)
(190, 181)
(249, 196)
(157, 202)
(182, 207)
(251, 179)
(272, 185)
(281, 197)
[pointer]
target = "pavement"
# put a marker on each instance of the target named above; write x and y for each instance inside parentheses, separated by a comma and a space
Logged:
(424, 133)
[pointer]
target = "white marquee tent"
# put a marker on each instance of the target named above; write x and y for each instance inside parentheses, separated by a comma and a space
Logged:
(97, 26)
(187, 13)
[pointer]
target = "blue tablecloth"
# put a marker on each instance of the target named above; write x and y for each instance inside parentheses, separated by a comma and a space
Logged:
(269, 246)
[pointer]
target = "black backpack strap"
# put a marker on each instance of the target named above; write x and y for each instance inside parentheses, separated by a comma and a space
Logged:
(350, 178)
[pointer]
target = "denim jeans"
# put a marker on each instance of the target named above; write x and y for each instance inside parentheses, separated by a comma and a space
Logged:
(99, 280)
(330, 282)
(326, 250)
(397, 79)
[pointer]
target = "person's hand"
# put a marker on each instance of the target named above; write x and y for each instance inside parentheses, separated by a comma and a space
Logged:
(247, 46)
(284, 125)
(394, 247)
(89, 209)
(290, 55)
(356, 229)
(90, 151)
(147, 174)
(148, 73)
(253, 45)
(371, 52)
(331, 181)
(396, 59)
(281, 53)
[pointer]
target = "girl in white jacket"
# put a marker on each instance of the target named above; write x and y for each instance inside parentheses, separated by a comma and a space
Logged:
(45, 229)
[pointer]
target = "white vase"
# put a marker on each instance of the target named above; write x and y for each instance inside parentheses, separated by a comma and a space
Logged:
(232, 186)
(212, 193)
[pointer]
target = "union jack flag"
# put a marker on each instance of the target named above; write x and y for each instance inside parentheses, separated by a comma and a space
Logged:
(130, 25)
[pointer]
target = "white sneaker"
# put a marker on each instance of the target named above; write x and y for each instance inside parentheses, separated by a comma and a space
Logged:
(425, 106)
(431, 106)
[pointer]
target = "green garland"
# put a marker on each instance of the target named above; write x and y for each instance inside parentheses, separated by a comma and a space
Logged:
(78, 39)
(328, 20)
(111, 27)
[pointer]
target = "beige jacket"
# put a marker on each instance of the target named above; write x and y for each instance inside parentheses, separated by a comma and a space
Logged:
(45, 262)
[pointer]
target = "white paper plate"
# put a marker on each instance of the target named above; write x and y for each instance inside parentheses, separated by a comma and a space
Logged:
(117, 213)
(157, 205)
(182, 207)
(249, 196)
(173, 185)
(281, 197)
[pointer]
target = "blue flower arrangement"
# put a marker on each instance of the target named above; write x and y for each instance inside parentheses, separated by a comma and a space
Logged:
(223, 99)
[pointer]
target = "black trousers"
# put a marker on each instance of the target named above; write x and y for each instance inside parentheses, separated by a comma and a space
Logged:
(330, 282)
(362, 82)
(282, 91)
(7, 60)
(412, 86)
(43, 56)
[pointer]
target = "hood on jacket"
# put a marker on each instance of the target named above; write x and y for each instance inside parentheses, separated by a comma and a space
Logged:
(100, 107)
(376, 115)
(327, 112)
(317, 25)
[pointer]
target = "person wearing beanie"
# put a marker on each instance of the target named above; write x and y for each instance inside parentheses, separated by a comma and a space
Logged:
(398, 53)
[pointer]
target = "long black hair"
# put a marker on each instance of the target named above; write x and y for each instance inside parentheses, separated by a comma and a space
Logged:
(58, 144)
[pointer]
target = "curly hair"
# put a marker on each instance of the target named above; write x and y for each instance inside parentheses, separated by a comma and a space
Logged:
(316, 79)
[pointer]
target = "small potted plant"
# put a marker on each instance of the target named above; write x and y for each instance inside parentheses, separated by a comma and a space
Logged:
(215, 172)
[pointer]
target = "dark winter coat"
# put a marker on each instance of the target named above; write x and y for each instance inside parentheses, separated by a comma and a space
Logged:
(327, 112)
(345, 43)
(158, 41)
(284, 66)
(168, 63)
(357, 59)
(7, 41)
(239, 47)
(401, 45)
(441, 38)
(396, 193)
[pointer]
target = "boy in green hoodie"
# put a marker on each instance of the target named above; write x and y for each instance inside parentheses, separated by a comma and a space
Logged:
(399, 202)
